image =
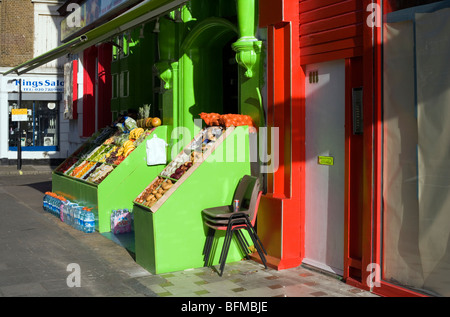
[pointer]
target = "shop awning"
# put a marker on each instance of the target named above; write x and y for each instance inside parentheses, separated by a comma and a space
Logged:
(45, 58)
(130, 19)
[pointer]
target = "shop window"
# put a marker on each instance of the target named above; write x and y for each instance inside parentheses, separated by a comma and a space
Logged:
(115, 48)
(115, 86)
(121, 46)
(395, 5)
(416, 151)
(40, 132)
(125, 44)
(124, 84)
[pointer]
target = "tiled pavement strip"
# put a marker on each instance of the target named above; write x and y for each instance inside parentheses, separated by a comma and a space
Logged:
(37, 248)
(249, 279)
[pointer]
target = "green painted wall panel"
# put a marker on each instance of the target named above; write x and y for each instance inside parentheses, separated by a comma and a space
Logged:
(173, 237)
(145, 240)
(118, 189)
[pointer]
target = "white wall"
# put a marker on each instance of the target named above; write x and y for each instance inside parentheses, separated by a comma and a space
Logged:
(47, 30)
(4, 125)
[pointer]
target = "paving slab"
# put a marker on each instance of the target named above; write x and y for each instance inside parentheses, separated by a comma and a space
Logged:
(37, 249)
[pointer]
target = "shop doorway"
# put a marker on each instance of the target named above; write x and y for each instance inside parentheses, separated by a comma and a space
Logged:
(325, 165)
(208, 71)
(230, 80)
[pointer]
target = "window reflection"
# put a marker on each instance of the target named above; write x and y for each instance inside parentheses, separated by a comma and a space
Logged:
(416, 138)
(41, 128)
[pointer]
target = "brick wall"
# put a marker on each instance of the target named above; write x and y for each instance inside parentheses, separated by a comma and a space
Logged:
(16, 32)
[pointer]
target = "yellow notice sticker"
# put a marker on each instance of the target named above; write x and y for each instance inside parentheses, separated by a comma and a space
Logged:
(326, 160)
(22, 111)
(19, 114)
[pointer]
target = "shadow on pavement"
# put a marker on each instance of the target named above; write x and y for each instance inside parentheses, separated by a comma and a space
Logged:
(41, 186)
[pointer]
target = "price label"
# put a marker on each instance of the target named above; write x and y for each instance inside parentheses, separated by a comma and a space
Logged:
(326, 160)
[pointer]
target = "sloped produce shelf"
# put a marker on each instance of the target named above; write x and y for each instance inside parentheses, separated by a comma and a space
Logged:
(169, 230)
(102, 182)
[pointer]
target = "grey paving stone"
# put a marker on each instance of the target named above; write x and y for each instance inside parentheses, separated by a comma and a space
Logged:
(24, 289)
(36, 247)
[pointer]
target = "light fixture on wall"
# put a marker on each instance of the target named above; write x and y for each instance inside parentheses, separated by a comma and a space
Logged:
(178, 15)
(141, 33)
(156, 28)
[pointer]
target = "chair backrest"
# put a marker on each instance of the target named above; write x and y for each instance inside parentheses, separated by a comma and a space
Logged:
(248, 192)
(243, 186)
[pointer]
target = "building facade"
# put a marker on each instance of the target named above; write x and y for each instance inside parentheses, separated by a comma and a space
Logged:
(354, 94)
(29, 29)
(364, 188)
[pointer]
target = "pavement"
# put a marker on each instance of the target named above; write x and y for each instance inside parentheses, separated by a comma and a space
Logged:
(40, 256)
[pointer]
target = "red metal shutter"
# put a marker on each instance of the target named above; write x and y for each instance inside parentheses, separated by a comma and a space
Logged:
(330, 29)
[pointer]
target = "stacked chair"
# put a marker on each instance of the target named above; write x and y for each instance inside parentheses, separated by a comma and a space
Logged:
(225, 218)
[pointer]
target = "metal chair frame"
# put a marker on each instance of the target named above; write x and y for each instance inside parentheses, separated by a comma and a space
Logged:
(220, 218)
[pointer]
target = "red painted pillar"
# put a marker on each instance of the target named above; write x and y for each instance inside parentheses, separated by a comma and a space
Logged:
(104, 116)
(75, 89)
(363, 243)
(89, 78)
(281, 214)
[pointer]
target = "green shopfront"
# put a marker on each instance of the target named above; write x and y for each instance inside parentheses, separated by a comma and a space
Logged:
(179, 58)
(200, 56)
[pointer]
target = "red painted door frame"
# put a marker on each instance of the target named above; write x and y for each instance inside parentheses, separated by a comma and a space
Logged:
(104, 85)
(281, 215)
(369, 233)
(360, 152)
(354, 181)
(96, 72)
(89, 81)
(75, 89)
(373, 238)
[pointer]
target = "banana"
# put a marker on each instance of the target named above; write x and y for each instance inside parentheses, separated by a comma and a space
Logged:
(128, 151)
(139, 132)
(135, 133)
(127, 143)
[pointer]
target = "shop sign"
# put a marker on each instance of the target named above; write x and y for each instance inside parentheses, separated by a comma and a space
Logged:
(91, 13)
(326, 160)
(19, 114)
(38, 84)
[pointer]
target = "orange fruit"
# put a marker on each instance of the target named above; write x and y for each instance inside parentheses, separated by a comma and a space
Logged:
(156, 122)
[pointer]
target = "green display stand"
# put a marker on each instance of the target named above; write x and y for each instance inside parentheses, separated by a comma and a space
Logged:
(170, 235)
(117, 190)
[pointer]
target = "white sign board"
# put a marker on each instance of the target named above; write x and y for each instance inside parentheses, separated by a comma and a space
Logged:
(19, 114)
(39, 84)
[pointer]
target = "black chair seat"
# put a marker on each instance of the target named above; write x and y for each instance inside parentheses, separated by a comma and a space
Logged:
(224, 218)
(224, 221)
(221, 212)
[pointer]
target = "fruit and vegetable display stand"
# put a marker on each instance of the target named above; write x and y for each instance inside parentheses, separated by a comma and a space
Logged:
(168, 225)
(108, 171)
